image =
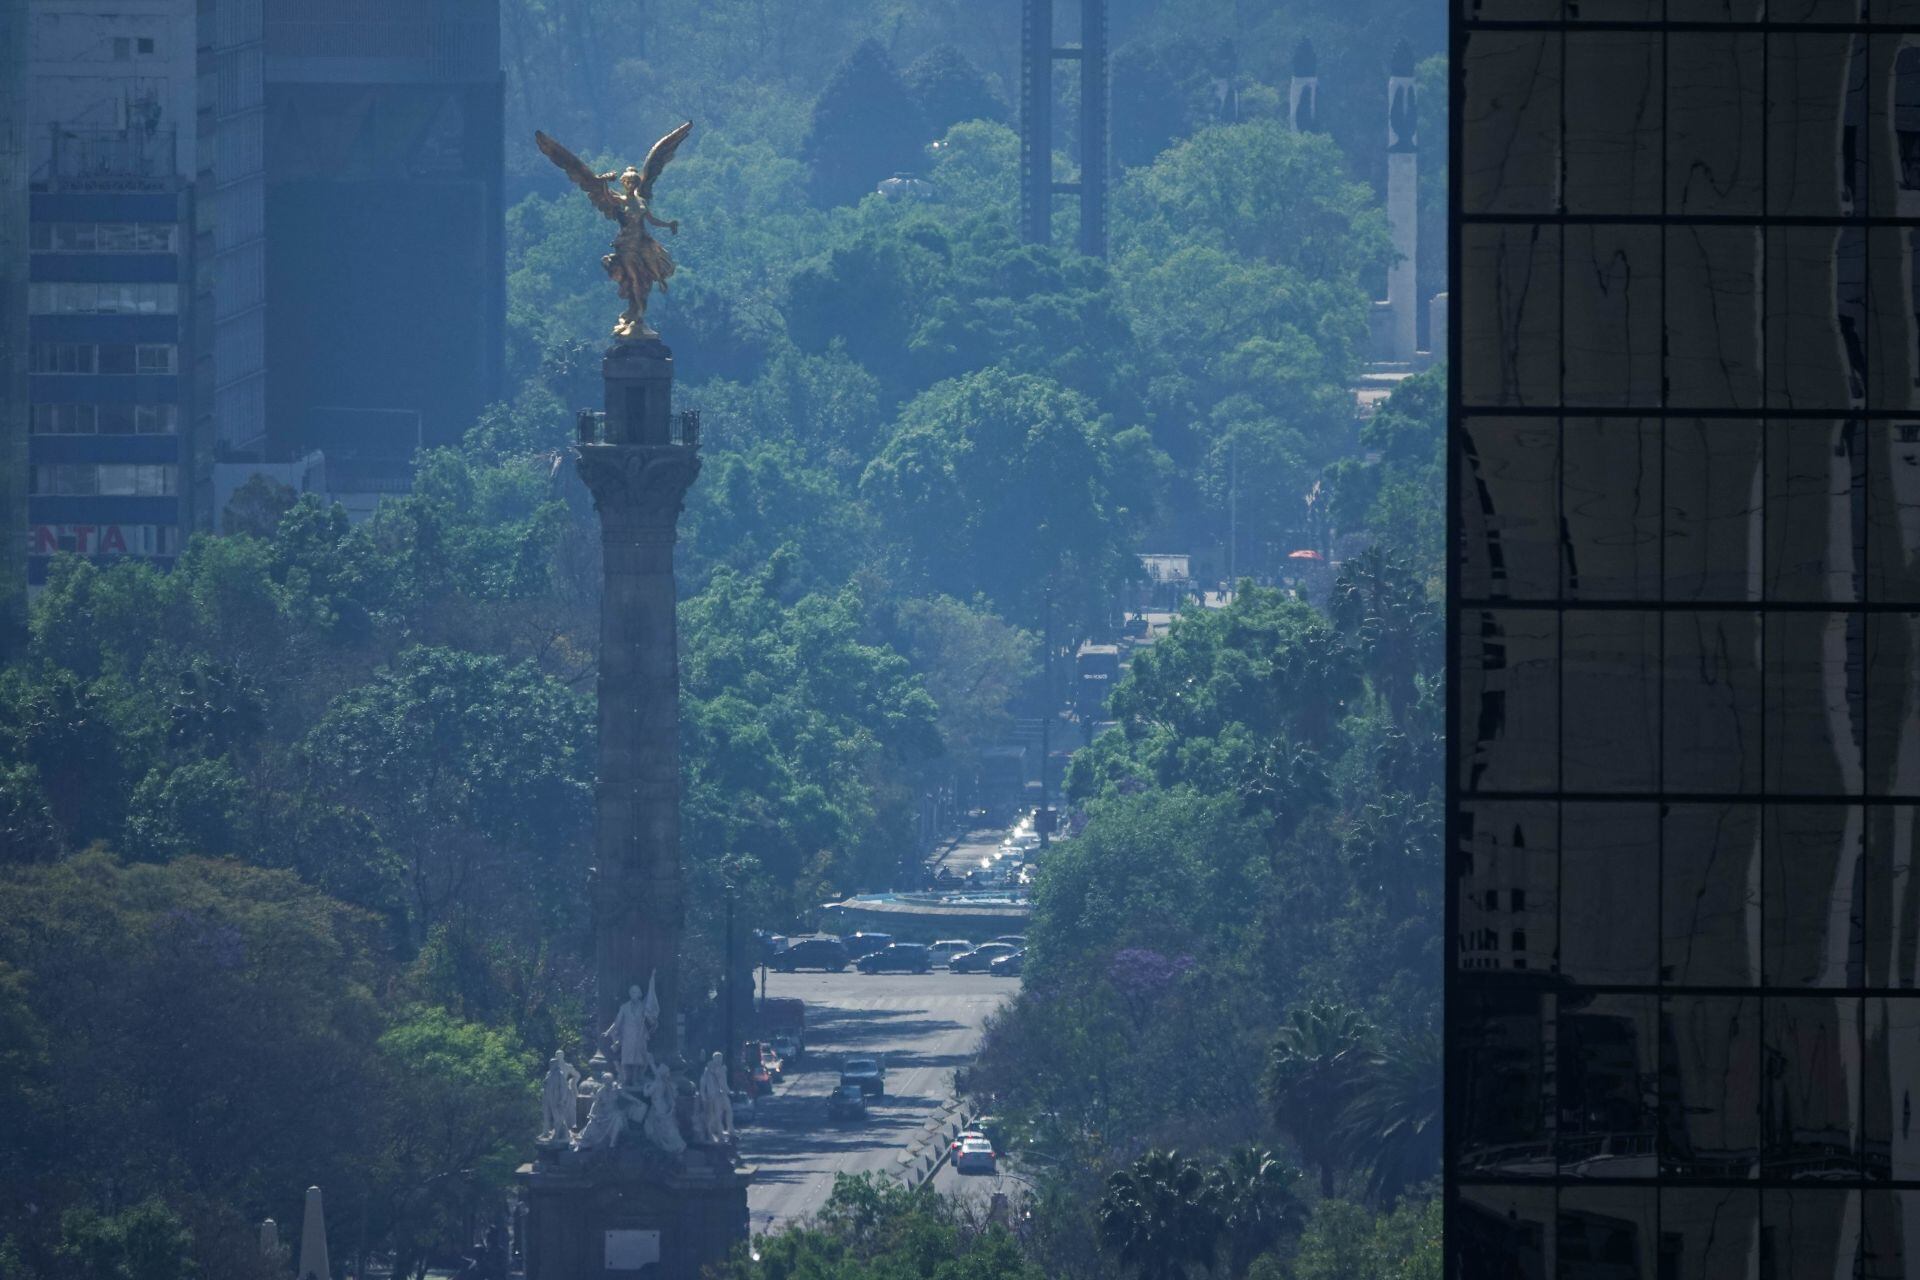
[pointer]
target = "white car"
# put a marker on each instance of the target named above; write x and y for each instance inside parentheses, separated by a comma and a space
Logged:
(974, 1156)
(947, 949)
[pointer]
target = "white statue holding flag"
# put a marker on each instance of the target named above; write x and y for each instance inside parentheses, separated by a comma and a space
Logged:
(632, 1025)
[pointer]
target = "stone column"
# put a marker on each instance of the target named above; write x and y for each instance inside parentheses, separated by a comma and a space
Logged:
(1303, 90)
(1403, 196)
(638, 471)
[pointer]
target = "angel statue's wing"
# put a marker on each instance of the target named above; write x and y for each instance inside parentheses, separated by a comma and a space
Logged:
(657, 158)
(583, 177)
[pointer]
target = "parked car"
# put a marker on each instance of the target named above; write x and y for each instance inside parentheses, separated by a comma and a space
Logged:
(974, 1156)
(786, 1046)
(977, 960)
(1007, 966)
(947, 949)
(869, 1074)
(1017, 940)
(824, 954)
(860, 944)
(848, 1102)
(901, 957)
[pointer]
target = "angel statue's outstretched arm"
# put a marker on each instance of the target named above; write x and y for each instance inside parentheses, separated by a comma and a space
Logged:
(582, 176)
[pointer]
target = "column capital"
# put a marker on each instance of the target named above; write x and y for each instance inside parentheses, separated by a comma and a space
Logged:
(638, 488)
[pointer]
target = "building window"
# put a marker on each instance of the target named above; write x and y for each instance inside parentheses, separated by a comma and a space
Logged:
(109, 358)
(104, 237)
(105, 479)
(74, 298)
(144, 44)
(63, 357)
(106, 419)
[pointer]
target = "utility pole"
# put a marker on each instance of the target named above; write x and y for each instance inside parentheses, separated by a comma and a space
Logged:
(726, 1017)
(1041, 820)
(1233, 509)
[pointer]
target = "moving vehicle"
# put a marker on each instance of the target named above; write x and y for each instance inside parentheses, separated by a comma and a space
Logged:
(901, 957)
(752, 1075)
(786, 1046)
(848, 1102)
(962, 1136)
(824, 954)
(1007, 966)
(771, 1061)
(974, 1156)
(977, 960)
(860, 944)
(868, 1074)
(947, 949)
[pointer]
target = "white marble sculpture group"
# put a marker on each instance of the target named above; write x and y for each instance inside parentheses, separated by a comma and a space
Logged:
(641, 1097)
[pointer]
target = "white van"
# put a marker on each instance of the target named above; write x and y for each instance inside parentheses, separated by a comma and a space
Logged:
(947, 950)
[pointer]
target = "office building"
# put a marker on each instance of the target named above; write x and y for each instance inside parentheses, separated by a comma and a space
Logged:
(351, 166)
(109, 149)
(1683, 1028)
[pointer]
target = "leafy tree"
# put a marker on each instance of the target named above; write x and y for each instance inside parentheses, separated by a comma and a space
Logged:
(199, 807)
(866, 126)
(976, 167)
(202, 995)
(459, 1098)
(145, 1242)
(1160, 1217)
(1318, 1057)
(872, 1228)
(257, 505)
(475, 770)
(949, 90)
(1344, 1241)
(1161, 92)
(1384, 610)
(997, 484)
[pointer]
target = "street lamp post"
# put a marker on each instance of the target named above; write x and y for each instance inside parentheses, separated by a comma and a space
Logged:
(726, 1017)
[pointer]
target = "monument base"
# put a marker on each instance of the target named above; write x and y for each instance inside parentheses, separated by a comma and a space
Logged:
(632, 1213)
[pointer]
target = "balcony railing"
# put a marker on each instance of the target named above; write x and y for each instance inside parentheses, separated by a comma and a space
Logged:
(683, 428)
(111, 153)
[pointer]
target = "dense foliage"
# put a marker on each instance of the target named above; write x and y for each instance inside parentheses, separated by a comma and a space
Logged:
(307, 816)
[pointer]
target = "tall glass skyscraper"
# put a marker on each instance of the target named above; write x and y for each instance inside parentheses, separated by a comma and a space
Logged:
(1683, 1024)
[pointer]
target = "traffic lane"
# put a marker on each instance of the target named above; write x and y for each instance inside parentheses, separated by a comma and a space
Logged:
(967, 855)
(924, 1025)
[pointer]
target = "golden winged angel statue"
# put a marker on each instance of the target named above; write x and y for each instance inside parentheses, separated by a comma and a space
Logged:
(638, 261)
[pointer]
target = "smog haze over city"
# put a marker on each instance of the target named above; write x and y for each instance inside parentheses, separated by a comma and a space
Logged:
(711, 638)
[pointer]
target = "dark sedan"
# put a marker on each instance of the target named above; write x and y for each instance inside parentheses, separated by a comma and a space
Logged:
(901, 957)
(1007, 966)
(824, 954)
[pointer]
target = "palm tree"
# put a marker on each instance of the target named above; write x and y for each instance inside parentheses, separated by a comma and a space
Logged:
(1392, 1118)
(1316, 1059)
(1253, 1191)
(1159, 1216)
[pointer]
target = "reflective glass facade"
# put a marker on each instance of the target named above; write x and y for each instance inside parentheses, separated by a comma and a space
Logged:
(1683, 1015)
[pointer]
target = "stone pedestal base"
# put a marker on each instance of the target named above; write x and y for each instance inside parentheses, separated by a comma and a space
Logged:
(632, 1213)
